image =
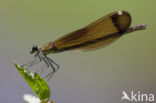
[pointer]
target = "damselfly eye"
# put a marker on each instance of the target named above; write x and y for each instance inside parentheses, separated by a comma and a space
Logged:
(33, 49)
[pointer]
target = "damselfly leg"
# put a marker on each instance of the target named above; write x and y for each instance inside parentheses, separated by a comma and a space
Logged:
(31, 63)
(47, 61)
(50, 63)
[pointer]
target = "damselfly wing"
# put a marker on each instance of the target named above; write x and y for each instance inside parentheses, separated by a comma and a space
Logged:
(98, 34)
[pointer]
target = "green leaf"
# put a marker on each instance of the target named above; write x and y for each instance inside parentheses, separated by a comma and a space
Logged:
(38, 84)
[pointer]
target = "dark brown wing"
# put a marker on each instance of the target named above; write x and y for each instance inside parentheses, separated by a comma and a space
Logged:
(100, 33)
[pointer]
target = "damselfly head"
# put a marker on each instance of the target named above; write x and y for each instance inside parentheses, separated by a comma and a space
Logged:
(33, 49)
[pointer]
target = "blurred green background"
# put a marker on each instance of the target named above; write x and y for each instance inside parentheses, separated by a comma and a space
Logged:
(87, 77)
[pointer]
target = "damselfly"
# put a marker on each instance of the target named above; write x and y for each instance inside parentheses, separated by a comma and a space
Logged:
(98, 34)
